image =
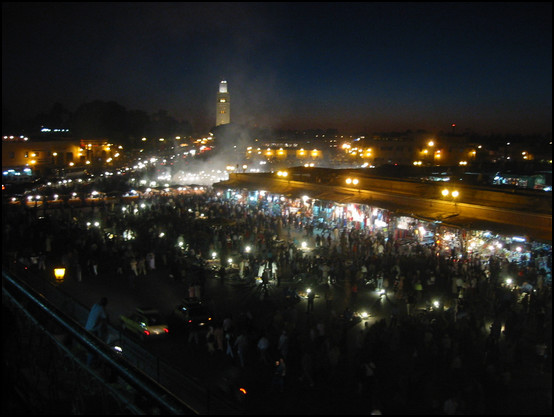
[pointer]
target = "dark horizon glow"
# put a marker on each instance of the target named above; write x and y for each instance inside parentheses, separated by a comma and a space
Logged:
(352, 66)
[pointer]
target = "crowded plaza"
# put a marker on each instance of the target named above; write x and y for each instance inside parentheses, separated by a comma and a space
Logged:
(461, 322)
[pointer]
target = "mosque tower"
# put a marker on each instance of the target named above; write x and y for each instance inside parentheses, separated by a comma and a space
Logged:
(223, 114)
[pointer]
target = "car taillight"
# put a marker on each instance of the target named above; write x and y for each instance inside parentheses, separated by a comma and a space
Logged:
(190, 321)
(147, 333)
(166, 330)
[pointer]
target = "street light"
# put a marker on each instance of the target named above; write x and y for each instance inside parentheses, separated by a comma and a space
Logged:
(59, 273)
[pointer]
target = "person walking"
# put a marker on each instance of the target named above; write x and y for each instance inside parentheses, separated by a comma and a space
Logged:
(151, 261)
(97, 324)
(311, 297)
(229, 340)
(280, 374)
(98, 319)
(133, 266)
(141, 266)
(241, 344)
(263, 347)
(283, 345)
(210, 341)
(380, 279)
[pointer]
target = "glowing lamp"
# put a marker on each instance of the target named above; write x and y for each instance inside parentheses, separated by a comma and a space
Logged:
(59, 273)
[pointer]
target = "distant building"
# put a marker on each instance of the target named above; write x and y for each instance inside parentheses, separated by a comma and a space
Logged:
(47, 154)
(223, 114)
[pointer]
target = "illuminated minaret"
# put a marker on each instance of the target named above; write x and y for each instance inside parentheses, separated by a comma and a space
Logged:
(223, 115)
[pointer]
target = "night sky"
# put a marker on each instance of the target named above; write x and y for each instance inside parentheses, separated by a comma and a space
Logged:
(352, 66)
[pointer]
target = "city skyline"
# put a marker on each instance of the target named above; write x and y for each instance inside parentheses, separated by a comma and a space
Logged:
(486, 67)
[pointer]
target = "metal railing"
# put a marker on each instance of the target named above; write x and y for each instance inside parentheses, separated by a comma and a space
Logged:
(45, 354)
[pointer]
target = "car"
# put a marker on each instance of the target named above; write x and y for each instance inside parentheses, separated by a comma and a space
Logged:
(146, 323)
(191, 313)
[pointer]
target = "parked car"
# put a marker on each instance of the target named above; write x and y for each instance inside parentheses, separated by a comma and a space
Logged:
(191, 313)
(146, 323)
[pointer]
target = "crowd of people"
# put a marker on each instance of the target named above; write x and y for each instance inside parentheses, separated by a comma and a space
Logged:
(461, 358)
